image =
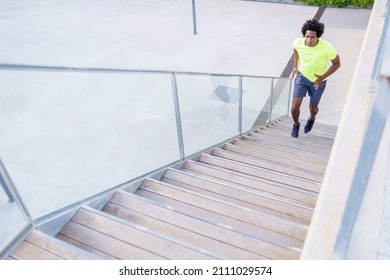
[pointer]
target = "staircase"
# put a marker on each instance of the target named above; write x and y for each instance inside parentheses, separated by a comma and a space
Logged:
(251, 198)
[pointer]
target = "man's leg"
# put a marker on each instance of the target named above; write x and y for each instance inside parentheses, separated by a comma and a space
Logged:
(300, 90)
(313, 108)
(296, 109)
(315, 97)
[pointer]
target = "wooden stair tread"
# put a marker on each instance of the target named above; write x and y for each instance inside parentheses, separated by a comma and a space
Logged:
(271, 187)
(261, 173)
(288, 160)
(292, 143)
(241, 197)
(190, 201)
(190, 229)
(309, 138)
(283, 148)
(136, 236)
(42, 246)
(309, 158)
(321, 134)
(286, 169)
(263, 248)
(28, 251)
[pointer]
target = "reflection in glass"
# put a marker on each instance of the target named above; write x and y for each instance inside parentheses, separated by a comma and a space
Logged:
(209, 107)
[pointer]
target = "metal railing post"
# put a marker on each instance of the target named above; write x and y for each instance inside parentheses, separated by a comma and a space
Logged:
(177, 115)
(240, 104)
(194, 17)
(10, 188)
(5, 182)
(289, 96)
(271, 99)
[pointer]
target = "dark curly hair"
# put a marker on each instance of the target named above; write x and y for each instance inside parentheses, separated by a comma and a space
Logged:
(313, 25)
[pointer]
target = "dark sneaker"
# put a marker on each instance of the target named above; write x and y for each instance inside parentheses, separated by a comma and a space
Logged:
(295, 130)
(309, 125)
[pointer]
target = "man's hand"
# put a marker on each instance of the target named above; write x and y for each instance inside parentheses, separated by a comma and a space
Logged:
(318, 81)
(293, 73)
(335, 65)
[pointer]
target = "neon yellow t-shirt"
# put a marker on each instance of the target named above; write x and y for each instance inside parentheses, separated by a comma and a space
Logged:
(313, 60)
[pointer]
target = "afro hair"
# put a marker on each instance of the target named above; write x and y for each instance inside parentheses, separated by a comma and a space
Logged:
(313, 25)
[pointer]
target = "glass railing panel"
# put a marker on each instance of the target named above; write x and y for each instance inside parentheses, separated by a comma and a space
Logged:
(209, 109)
(13, 218)
(280, 98)
(255, 105)
(69, 135)
(12, 221)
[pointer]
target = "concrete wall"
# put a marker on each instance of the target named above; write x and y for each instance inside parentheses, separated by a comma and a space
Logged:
(365, 243)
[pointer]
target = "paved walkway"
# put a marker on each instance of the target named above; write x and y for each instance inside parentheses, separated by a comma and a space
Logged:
(241, 37)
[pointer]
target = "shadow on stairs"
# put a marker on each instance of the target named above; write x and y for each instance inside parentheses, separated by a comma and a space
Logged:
(251, 198)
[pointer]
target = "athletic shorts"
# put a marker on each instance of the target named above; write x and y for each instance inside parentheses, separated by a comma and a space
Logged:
(302, 85)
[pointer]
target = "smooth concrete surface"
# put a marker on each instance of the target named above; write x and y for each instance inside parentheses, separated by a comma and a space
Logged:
(344, 33)
(238, 37)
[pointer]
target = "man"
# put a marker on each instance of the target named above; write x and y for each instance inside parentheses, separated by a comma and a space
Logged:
(313, 54)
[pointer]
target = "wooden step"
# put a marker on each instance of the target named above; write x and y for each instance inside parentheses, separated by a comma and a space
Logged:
(261, 173)
(125, 240)
(209, 207)
(308, 138)
(241, 197)
(248, 226)
(180, 225)
(305, 157)
(307, 198)
(287, 160)
(319, 129)
(292, 143)
(103, 245)
(285, 148)
(40, 246)
(250, 160)
(28, 251)
(263, 248)
(84, 246)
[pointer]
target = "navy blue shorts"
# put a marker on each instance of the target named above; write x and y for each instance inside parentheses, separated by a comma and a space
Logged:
(302, 85)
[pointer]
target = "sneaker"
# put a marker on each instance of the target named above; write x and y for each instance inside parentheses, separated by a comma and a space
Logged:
(295, 130)
(309, 125)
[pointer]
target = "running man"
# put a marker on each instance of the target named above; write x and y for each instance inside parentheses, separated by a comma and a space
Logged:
(311, 55)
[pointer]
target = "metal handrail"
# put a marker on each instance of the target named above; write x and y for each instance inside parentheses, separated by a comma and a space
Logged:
(34, 67)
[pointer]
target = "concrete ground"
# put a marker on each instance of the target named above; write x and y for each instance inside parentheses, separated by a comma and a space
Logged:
(234, 37)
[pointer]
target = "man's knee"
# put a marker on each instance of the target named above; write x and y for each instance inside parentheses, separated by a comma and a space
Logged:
(313, 109)
(295, 109)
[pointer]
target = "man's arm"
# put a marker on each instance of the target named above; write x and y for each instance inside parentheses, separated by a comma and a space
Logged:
(296, 60)
(333, 68)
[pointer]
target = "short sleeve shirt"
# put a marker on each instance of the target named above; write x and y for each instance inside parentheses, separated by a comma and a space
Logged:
(313, 60)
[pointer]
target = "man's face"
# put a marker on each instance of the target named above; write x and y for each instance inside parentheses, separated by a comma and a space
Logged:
(311, 38)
